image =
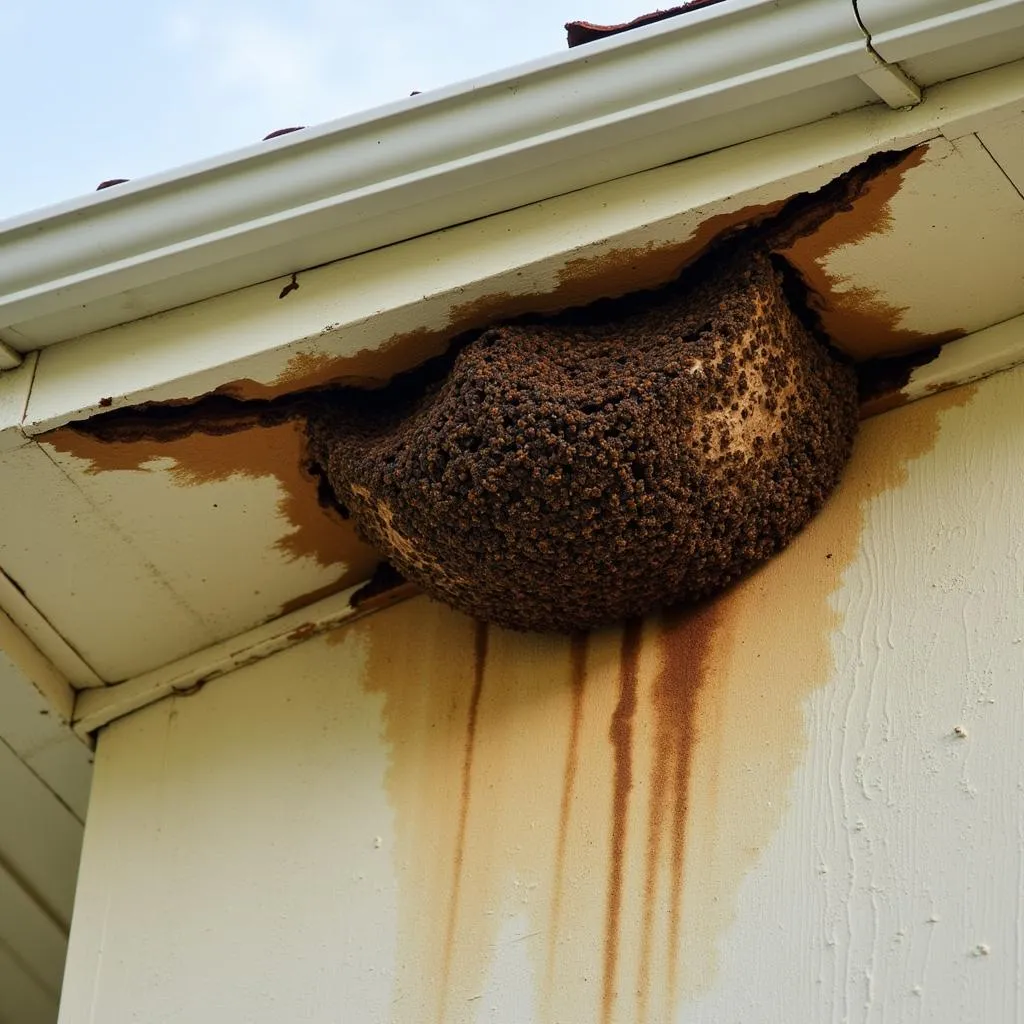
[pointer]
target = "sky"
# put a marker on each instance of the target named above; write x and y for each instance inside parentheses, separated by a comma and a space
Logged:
(111, 89)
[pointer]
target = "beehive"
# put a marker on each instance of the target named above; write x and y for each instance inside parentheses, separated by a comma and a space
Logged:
(570, 473)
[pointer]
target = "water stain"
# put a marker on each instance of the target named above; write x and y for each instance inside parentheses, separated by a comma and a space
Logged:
(479, 665)
(609, 274)
(620, 733)
(686, 644)
(278, 451)
(577, 682)
(619, 787)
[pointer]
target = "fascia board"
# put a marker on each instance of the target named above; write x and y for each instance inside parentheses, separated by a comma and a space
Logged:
(488, 145)
(361, 302)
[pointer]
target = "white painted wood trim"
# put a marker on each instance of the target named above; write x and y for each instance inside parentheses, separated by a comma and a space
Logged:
(44, 676)
(96, 708)
(38, 631)
(892, 85)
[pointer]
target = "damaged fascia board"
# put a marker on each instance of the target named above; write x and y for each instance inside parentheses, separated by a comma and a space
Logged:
(721, 74)
(360, 303)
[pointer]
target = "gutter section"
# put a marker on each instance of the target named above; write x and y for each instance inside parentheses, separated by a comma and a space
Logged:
(904, 29)
(719, 75)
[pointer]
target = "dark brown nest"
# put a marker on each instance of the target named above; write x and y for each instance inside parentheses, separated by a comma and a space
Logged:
(566, 475)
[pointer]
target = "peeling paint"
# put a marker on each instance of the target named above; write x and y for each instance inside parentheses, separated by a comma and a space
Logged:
(861, 322)
(582, 281)
(621, 785)
(309, 530)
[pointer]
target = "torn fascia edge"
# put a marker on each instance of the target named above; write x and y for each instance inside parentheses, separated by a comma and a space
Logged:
(972, 358)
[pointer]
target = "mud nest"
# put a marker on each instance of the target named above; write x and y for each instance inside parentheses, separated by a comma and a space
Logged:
(567, 474)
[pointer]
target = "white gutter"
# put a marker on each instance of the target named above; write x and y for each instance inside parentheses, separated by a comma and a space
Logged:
(600, 111)
(903, 29)
(716, 76)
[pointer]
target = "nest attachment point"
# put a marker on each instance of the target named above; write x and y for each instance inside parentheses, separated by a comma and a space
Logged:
(572, 473)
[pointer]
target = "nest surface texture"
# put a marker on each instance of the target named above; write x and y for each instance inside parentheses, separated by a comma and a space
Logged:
(566, 475)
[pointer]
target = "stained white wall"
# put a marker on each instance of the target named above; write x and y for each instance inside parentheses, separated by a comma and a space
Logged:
(802, 803)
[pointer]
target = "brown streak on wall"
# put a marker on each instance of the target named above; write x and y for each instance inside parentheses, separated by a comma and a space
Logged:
(577, 681)
(458, 857)
(707, 708)
(620, 734)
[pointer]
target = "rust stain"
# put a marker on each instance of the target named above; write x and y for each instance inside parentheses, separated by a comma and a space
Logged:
(276, 451)
(858, 320)
(620, 787)
(686, 647)
(458, 858)
(620, 733)
(577, 681)
(580, 282)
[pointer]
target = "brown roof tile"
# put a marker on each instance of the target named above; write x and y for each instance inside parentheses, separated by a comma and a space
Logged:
(580, 32)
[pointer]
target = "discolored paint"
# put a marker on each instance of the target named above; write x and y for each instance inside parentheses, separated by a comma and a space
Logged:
(479, 665)
(577, 682)
(620, 733)
(686, 642)
(278, 450)
(582, 281)
(602, 798)
(858, 320)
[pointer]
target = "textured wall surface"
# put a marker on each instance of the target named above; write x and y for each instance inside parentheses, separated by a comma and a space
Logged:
(802, 802)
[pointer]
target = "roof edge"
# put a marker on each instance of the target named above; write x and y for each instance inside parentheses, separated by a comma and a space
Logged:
(615, 107)
(721, 74)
